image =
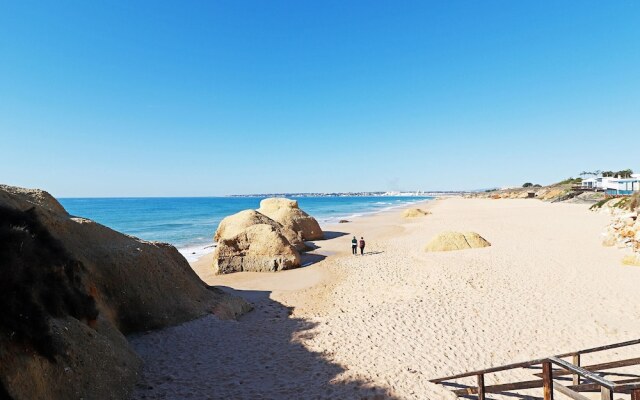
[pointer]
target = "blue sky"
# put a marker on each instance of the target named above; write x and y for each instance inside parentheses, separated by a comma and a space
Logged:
(198, 98)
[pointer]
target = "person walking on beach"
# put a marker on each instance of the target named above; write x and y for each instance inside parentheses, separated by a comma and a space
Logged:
(354, 246)
(362, 245)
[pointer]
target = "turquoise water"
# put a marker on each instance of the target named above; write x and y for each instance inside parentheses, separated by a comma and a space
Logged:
(189, 223)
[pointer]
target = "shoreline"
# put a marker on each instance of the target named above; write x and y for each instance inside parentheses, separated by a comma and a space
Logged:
(201, 252)
(383, 324)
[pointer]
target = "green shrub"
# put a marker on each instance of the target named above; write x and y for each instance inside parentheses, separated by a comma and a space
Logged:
(634, 203)
(572, 181)
(599, 204)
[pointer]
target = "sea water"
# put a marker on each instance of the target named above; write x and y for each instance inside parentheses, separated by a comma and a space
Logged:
(190, 222)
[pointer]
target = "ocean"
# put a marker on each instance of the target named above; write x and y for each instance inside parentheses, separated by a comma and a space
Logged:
(190, 222)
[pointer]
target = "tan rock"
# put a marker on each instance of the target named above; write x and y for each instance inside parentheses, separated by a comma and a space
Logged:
(237, 223)
(627, 232)
(259, 248)
(632, 259)
(17, 197)
(448, 241)
(287, 212)
(118, 285)
(552, 194)
(414, 213)
(609, 240)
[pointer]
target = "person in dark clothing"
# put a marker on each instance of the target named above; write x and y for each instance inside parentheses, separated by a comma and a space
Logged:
(354, 246)
(362, 245)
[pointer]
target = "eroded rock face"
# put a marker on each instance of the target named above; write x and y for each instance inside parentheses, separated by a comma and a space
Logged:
(107, 285)
(624, 232)
(21, 198)
(449, 241)
(258, 248)
(237, 223)
(414, 213)
(287, 213)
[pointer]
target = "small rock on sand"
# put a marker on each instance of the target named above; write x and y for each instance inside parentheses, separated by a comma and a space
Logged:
(414, 213)
(632, 259)
(448, 241)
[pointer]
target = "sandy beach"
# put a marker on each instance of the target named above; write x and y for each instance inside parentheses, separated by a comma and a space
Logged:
(383, 324)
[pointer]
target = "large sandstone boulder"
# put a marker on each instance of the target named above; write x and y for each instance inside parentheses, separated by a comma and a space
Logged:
(287, 212)
(71, 289)
(258, 248)
(448, 241)
(237, 223)
(414, 213)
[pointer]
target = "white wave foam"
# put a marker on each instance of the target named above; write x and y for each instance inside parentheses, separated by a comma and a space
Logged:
(333, 220)
(192, 253)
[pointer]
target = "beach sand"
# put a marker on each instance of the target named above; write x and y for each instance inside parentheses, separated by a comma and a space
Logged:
(383, 324)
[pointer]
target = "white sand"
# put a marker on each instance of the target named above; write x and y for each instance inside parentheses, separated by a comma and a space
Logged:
(387, 322)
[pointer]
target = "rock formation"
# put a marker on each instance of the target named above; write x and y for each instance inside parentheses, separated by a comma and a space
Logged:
(448, 241)
(624, 232)
(258, 248)
(237, 223)
(73, 288)
(414, 213)
(287, 212)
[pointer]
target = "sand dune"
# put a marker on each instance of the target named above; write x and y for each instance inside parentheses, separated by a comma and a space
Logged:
(382, 324)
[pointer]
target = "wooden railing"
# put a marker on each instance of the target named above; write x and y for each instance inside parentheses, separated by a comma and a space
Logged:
(584, 378)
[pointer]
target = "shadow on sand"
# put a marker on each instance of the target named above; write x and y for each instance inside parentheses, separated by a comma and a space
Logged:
(307, 259)
(260, 356)
(332, 235)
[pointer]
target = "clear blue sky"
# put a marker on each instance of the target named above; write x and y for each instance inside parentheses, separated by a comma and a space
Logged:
(195, 98)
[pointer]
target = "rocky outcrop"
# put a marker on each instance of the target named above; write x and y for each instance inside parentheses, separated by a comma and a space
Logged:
(414, 213)
(237, 223)
(266, 240)
(21, 198)
(449, 241)
(73, 288)
(287, 213)
(553, 193)
(624, 232)
(257, 248)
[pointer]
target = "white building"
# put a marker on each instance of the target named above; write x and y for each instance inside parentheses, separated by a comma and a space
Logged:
(613, 186)
(591, 183)
(625, 186)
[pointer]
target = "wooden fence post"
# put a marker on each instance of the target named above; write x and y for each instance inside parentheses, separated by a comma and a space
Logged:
(547, 380)
(576, 362)
(481, 395)
(606, 393)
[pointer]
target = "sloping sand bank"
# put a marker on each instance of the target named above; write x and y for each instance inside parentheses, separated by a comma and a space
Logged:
(382, 324)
